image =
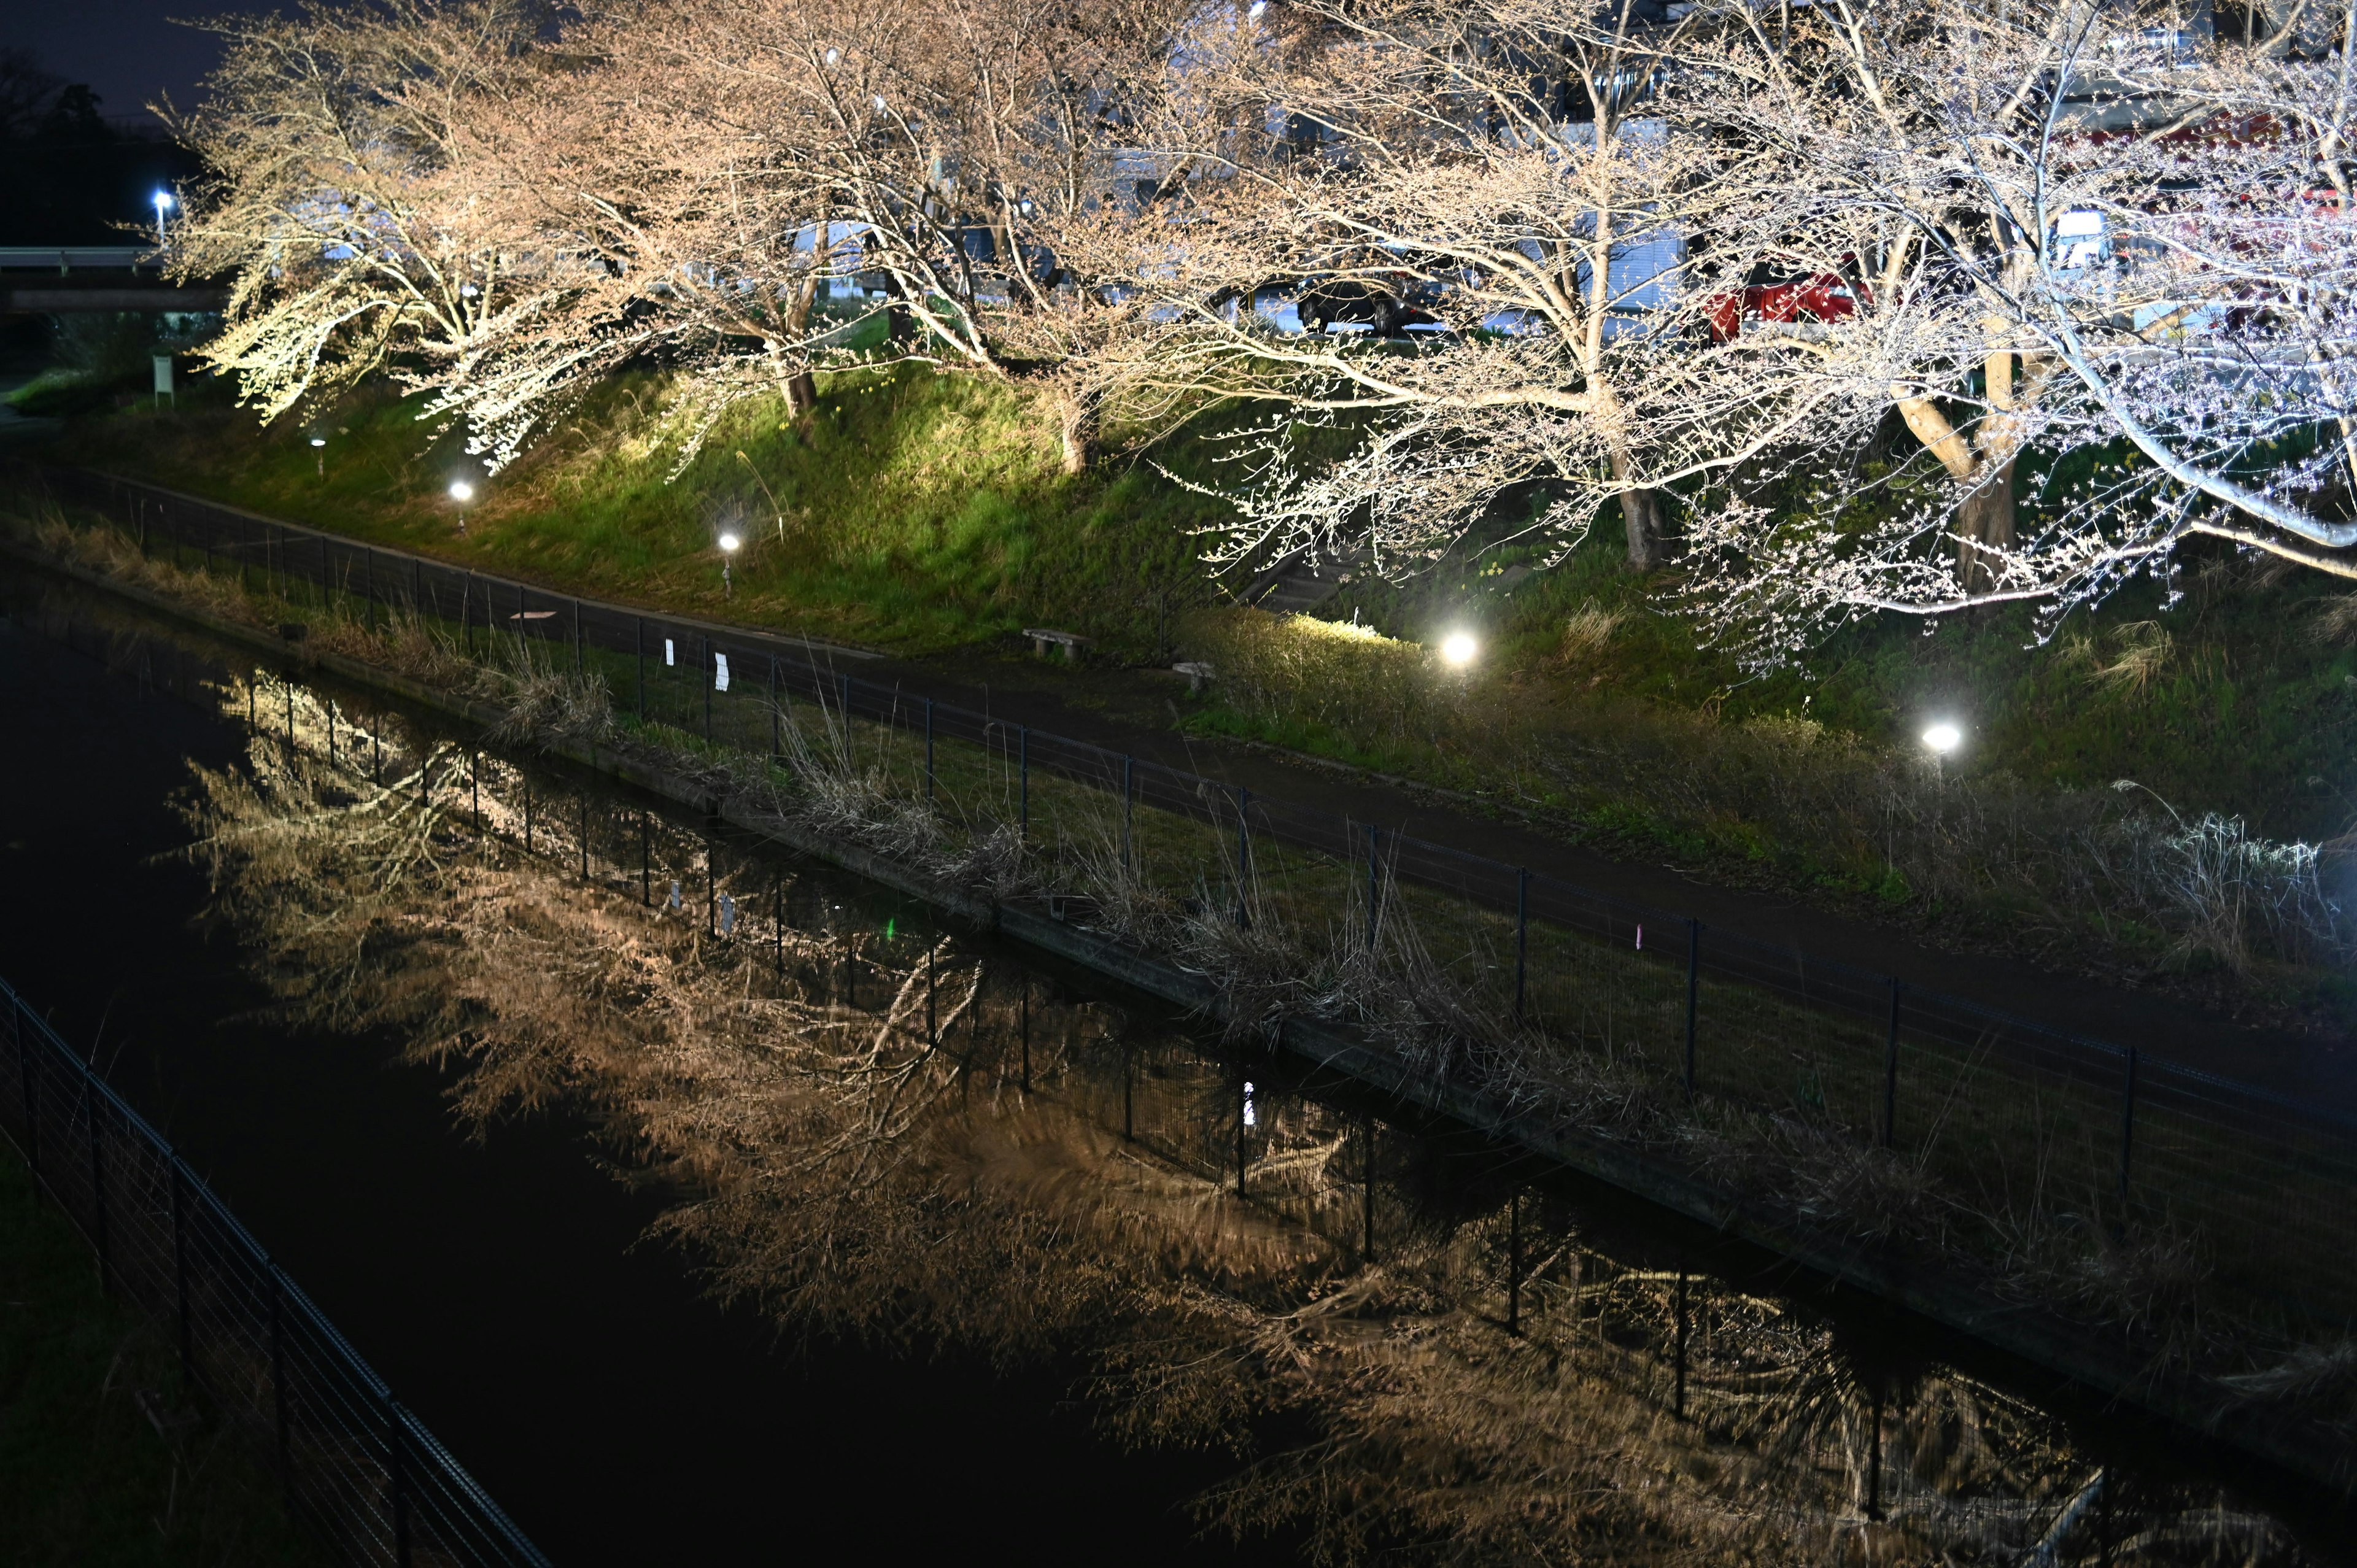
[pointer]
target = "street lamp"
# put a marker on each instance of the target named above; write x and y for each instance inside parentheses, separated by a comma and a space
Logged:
(462, 492)
(1458, 648)
(162, 200)
(318, 443)
(728, 544)
(1943, 738)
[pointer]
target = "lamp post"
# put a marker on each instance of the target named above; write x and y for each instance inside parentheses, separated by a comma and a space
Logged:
(1941, 738)
(462, 492)
(1459, 649)
(162, 200)
(318, 449)
(728, 544)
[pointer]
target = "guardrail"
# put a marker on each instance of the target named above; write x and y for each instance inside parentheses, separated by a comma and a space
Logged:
(64, 259)
(360, 1470)
(2053, 1134)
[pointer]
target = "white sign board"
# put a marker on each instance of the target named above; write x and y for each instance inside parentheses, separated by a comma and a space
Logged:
(720, 671)
(163, 375)
(670, 657)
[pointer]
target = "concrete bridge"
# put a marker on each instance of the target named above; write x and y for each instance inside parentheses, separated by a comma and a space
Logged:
(43, 279)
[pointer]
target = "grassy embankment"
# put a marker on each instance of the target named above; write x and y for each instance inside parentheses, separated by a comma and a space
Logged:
(103, 1460)
(927, 514)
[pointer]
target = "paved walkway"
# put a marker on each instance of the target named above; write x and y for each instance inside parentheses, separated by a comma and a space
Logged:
(1121, 710)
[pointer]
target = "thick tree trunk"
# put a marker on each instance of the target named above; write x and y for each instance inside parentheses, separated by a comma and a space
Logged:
(801, 386)
(1641, 515)
(1079, 412)
(1985, 521)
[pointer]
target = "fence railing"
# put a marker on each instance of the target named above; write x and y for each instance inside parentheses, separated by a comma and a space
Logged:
(360, 1471)
(2050, 1139)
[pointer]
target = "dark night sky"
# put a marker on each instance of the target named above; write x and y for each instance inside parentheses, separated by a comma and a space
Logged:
(127, 50)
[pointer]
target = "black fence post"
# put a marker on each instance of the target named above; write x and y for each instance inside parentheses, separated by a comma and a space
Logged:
(1129, 826)
(28, 1077)
(1694, 987)
(777, 919)
(1521, 936)
(1023, 773)
(776, 714)
(1026, 1008)
(932, 1023)
(2127, 1129)
(278, 1374)
(646, 864)
(929, 748)
(1681, 1343)
(1375, 885)
(89, 1102)
(1367, 1196)
(1890, 1074)
(180, 1268)
(1243, 856)
(639, 624)
(1244, 1116)
(580, 655)
(708, 652)
(1514, 1263)
(396, 1480)
(584, 836)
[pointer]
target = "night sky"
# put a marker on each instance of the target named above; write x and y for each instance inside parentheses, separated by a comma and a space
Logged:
(128, 50)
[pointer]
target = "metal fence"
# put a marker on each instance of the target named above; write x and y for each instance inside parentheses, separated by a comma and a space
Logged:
(360, 1470)
(2044, 1142)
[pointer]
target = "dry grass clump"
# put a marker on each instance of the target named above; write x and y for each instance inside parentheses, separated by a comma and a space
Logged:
(2334, 621)
(1586, 633)
(2142, 651)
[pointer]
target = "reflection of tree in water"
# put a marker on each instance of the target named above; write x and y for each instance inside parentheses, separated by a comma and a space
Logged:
(861, 1163)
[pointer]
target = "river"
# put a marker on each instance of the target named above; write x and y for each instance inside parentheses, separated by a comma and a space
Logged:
(846, 1233)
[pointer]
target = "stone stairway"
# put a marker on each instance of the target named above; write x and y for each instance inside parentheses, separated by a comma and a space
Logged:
(1301, 583)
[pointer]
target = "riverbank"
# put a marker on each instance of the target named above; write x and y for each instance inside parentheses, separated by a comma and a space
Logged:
(2122, 1364)
(921, 518)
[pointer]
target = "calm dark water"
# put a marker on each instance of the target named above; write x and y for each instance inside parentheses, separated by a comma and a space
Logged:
(507, 1287)
(503, 1287)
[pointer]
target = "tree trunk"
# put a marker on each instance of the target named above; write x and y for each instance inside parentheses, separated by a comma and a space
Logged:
(1641, 515)
(802, 387)
(1079, 412)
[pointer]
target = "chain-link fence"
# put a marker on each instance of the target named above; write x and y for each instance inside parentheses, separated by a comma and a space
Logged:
(2020, 1143)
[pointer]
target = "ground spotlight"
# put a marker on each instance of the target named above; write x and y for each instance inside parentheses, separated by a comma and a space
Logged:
(1458, 648)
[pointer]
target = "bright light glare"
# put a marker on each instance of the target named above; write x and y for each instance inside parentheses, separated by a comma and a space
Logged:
(1458, 648)
(163, 201)
(318, 441)
(1258, 6)
(460, 490)
(1944, 737)
(729, 541)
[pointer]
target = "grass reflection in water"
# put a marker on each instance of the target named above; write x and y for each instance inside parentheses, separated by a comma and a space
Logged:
(903, 1138)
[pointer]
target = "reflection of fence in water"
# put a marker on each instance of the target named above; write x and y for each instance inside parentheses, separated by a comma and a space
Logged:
(357, 1468)
(2023, 1131)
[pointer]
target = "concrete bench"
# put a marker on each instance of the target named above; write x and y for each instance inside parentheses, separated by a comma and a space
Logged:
(1073, 644)
(1198, 676)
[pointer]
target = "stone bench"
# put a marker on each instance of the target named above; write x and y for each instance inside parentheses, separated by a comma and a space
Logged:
(1198, 676)
(1073, 643)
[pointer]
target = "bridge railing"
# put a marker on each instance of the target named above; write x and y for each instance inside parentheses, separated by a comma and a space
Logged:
(1772, 1068)
(362, 1472)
